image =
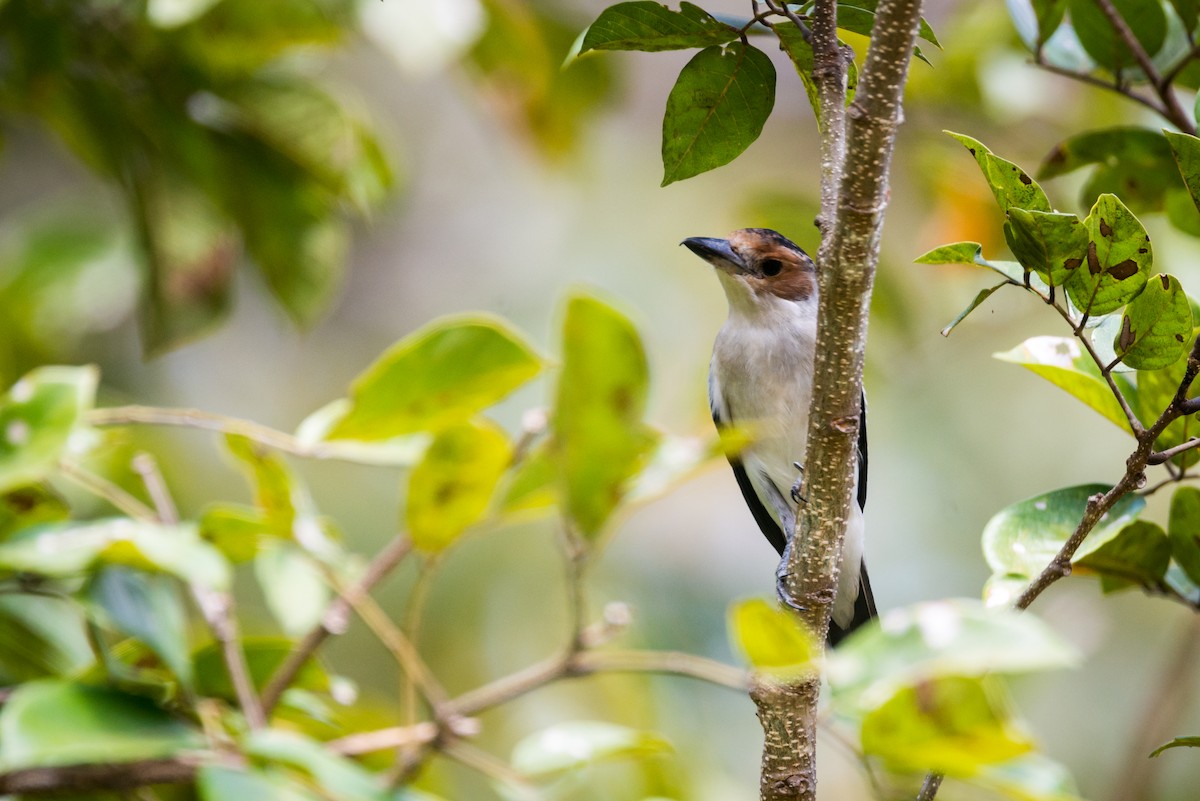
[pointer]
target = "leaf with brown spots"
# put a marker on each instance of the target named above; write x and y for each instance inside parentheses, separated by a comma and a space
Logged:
(1050, 244)
(1156, 326)
(1010, 184)
(1119, 259)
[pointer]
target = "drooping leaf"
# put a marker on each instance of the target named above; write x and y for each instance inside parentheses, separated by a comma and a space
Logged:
(1132, 163)
(1021, 539)
(570, 746)
(1184, 531)
(1010, 184)
(975, 303)
(1144, 17)
(148, 608)
(1062, 362)
(972, 253)
(716, 109)
(38, 416)
(951, 724)
(1137, 555)
(449, 490)
(76, 548)
(772, 640)
(48, 723)
(294, 587)
(599, 439)
(651, 26)
(437, 376)
(937, 639)
(1156, 326)
(1052, 245)
(1118, 261)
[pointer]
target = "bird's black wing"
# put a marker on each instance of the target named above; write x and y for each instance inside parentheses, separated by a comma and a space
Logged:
(864, 604)
(862, 453)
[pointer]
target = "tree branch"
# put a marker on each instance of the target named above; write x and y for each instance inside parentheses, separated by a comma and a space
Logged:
(101, 776)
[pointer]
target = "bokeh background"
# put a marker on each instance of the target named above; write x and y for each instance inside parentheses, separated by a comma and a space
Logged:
(504, 199)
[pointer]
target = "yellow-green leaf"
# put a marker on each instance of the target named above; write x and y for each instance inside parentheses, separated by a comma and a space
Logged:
(773, 641)
(38, 416)
(1156, 327)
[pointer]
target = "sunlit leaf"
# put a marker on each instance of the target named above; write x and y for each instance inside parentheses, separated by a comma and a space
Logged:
(338, 776)
(952, 725)
(1062, 362)
(1138, 554)
(648, 25)
(437, 376)
(571, 746)
(294, 587)
(1010, 184)
(937, 639)
(599, 439)
(1184, 531)
(972, 253)
(47, 723)
(76, 548)
(216, 782)
(1021, 539)
(1118, 260)
(1050, 244)
(237, 531)
(716, 109)
(449, 490)
(773, 640)
(149, 608)
(1157, 325)
(38, 416)
(1031, 777)
(1145, 19)
(264, 655)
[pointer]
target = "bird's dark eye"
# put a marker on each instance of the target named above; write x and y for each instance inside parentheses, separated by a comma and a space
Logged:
(771, 267)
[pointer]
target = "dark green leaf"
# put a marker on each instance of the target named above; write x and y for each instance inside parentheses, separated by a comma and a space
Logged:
(1184, 531)
(1062, 362)
(1050, 244)
(1138, 554)
(599, 439)
(1178, 742)
(1133, 163)
(716, 109)
(1011, 185)
(450, 488)
(40, 637)
(791, 41)
(571, 746)
(264, 655)
(148, 608)
(1118, 261)
(1144, 17)
(1186, 151)
(1021, 539)
(1155, 390)
(38, 415)
(647, 25)
(953, 725)
(1049, 17)
(437, 376)
(1187, 11)
(1156, 328)
(28, 506)
(1181, 211)
(773, 641)
(48, 723)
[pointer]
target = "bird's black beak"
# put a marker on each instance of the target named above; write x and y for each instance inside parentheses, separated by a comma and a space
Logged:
(717, 252)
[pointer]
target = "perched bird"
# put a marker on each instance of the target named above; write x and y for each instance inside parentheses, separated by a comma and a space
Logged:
(761, 376)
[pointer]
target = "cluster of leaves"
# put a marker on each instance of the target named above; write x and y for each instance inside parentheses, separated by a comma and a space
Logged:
(221, 145)
(725, 93)
(1131, 331)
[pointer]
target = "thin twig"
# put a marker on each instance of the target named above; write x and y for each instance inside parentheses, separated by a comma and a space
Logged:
(1135, 425)
(929, 788)
(1112, 86)
(103, 488)
(782, 9)
(491, 767)
(335, 619)
(1158, 457)
(384, 739)
(145, 465)
(217, 609)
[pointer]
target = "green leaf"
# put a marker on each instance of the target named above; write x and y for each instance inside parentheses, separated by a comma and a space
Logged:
(148, 608)
(1187, 11)
(215, 782)
(937, 639)
(1144, 17)
(238, 532)
(277, 493)
(975, 303)
(293, 585)
(264, 655)
(532, 487)
(716, 109)
(1049, 16)
(1156, 327)
(801, 55)
(29, 505)
(1184, 531)
(1185, 149)
(1155, 391)
(1021, 539)
(571, 746)
(953, 725)
(599, 439)
(972, 253)
(1118, 259)
(1178, 742)
(1050, 244)
(440, 375)
(450, 488)
(1138, 554)
(231, 39)
(75, 548)
(1010, 185)
(38, 416)
(48, 723)
(773, 641)
(40, 637)
(1062, 362)
(647, 25)
(339, 777)
(1132, 163)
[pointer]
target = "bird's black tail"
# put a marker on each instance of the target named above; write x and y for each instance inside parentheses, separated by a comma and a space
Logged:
(864, 609)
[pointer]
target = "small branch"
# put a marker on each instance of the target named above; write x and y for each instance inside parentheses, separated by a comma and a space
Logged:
(1112, 86)
(929, 788)
(217, 609)
(101, 776)
(103, 488)
(1135, 425)
(781, 8)
(335, 619)
(674, 663)
(1158, 457)
(385, 739)
(491, 767)
(145, 465)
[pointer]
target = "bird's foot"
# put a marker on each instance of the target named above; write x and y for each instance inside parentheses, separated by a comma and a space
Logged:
(796, 495)
(781, 577)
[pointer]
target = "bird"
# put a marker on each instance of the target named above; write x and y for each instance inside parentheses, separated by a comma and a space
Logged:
(761, 377)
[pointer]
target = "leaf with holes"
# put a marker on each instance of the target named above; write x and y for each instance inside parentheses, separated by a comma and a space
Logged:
(1156, 326)
(716, 109)
(650, 26)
